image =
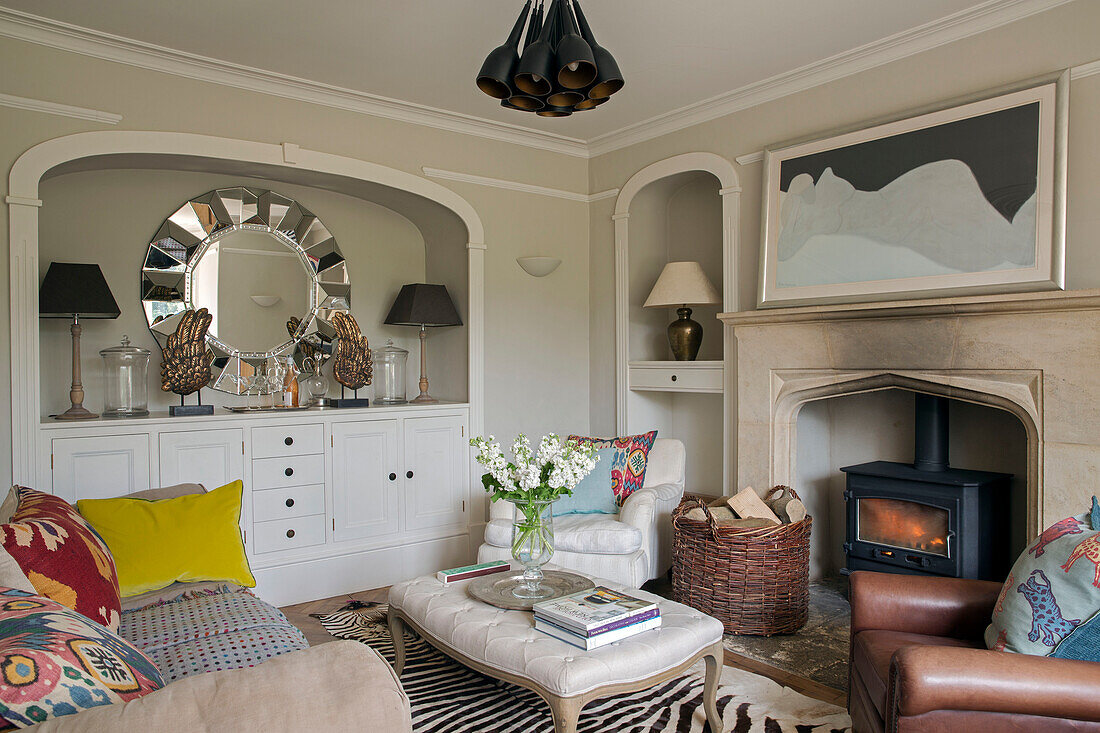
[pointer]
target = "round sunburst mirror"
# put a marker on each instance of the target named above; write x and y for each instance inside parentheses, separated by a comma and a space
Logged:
(266, 268)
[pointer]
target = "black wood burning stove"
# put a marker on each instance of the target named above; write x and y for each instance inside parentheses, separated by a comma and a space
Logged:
(924, 517)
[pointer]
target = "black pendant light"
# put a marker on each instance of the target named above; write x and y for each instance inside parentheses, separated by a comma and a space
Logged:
(500, 65)
(608, 77)
(558, 70)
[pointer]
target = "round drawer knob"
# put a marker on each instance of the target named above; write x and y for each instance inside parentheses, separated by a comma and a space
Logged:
(408, 474)
(289, 503)
(290, 534)
(289, 472)
(288, 440)
(673, 377)
(393, 477)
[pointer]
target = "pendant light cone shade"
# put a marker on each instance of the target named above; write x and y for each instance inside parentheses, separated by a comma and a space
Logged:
(523, 103)
(500, 65)
(608, 79)
(576, 64)
(551, 111)
(537, 65)
(590, 104)
(564, 98)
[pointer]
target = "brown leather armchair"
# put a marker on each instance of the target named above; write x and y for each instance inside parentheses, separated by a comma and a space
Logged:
(918, 663)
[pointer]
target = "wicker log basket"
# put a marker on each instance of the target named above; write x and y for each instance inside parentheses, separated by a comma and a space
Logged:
(753, 580)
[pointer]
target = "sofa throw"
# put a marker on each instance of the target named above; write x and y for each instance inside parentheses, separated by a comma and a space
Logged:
(1049, 604)
(628, 463)
(63, 557)
(55, 662)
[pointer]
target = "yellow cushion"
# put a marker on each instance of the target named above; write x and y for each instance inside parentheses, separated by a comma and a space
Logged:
(189, 538)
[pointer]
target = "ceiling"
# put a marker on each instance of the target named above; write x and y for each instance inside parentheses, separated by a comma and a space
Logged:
(672, 53)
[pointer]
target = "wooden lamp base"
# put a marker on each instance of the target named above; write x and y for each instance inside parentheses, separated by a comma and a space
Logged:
(76, 392)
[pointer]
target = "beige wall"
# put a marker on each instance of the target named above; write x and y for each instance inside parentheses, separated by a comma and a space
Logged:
(1057, 39)
(536, 344)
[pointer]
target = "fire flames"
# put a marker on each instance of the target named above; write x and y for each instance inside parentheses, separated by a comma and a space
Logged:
(903, 524)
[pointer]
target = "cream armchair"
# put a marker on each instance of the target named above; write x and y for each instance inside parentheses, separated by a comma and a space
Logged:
(630, 548)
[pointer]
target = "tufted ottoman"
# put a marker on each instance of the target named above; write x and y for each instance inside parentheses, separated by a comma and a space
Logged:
(504, 645)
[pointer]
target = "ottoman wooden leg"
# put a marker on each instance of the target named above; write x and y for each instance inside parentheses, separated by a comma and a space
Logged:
(397, 634)
(566, 711)
(714, 659)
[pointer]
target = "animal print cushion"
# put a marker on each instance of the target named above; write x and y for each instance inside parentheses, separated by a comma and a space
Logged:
(1049, 605)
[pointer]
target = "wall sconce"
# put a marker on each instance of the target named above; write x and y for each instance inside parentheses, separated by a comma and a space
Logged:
(265, 301)
(538, 266)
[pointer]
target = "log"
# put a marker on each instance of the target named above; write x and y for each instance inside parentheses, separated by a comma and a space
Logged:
(787, 508)
(748, 505)
(724, 517)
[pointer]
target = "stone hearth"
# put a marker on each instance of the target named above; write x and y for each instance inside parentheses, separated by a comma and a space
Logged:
(1034, 355)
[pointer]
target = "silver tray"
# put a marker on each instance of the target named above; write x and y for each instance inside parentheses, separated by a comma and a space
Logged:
(496, 590)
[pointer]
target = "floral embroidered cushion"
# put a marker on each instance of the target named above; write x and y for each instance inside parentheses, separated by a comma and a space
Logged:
(1050, 603)
(63, 557)
(628, 463)
(54, 662)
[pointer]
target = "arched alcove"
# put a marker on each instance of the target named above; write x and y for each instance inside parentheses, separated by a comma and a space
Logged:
(663, 213)
(450, 226)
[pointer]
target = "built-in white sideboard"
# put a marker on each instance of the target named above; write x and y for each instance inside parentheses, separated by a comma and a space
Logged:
(334, 500)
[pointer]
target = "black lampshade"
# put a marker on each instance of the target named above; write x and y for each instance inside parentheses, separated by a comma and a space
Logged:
(420, 304)
(75, 290)
(576, 64)
(608, 77)
(537, 64)
(496, 73)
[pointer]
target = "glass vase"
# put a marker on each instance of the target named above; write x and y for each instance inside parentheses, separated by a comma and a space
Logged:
(532, 545)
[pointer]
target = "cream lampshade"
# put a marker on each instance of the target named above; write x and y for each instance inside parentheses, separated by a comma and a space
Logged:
(682, 284)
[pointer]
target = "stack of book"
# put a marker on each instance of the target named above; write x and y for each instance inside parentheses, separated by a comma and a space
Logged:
(592, 618)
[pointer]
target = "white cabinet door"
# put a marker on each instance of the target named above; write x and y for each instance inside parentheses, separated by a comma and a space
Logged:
(435, 472)
(100, 467)
(212, 458)
(365, 479)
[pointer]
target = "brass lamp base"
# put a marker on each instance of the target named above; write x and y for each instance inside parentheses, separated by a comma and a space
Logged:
(685, 336)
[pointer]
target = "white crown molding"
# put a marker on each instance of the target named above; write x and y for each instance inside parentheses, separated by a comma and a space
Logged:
(978, 19)
(750, 158)
(558, 193)
(88, 42)
(63, 110)
(1083, 70)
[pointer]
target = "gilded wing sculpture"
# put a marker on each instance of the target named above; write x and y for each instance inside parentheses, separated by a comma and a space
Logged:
(312, 346)
(352, 366)
(185, 360)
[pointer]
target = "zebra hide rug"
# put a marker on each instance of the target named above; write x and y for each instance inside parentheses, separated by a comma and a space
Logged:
(449, 698)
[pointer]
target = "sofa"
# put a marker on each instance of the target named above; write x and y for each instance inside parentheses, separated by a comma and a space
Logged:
(629, 548)
(230, 661)
(918, 662)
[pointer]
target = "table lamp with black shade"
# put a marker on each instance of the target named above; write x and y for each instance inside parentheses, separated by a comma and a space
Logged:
(426, 306)
(76, 291)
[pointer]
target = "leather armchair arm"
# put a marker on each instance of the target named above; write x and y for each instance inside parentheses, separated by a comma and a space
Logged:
(928, 678)
(953, 607)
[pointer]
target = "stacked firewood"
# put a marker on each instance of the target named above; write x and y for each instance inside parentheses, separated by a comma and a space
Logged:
(746, 509)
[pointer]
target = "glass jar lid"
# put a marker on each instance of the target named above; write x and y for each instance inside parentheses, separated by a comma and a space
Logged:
(389, 351)
(125, 349)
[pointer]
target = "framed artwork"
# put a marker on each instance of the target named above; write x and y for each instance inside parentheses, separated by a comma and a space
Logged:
(963, 200)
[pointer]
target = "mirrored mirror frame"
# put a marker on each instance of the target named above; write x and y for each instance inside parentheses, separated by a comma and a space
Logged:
(183, 238)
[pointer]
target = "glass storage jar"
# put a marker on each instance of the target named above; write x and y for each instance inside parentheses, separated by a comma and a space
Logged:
(389, 374)
(126, 371)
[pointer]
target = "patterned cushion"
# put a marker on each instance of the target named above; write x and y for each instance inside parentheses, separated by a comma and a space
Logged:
(209, 631)
(63, 557)
(629, 462)
(1053, 594)
(54, 662)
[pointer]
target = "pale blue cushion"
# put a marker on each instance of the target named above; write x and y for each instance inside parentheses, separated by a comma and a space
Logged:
(595, 493)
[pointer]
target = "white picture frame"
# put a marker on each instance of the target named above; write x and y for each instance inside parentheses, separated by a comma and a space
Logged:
(937, 205)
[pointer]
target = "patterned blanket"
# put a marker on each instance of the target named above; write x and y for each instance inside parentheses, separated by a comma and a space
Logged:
(195, 633)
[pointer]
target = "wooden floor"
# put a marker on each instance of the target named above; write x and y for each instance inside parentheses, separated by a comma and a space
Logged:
(299, 615)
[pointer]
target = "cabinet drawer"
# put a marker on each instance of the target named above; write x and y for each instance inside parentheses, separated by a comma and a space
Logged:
(289, 534)
(671, 378)
(277, 473)
(289, 440)
(296, 501)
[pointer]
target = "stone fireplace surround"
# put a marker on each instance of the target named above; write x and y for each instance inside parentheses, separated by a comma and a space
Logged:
(1035, 355)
